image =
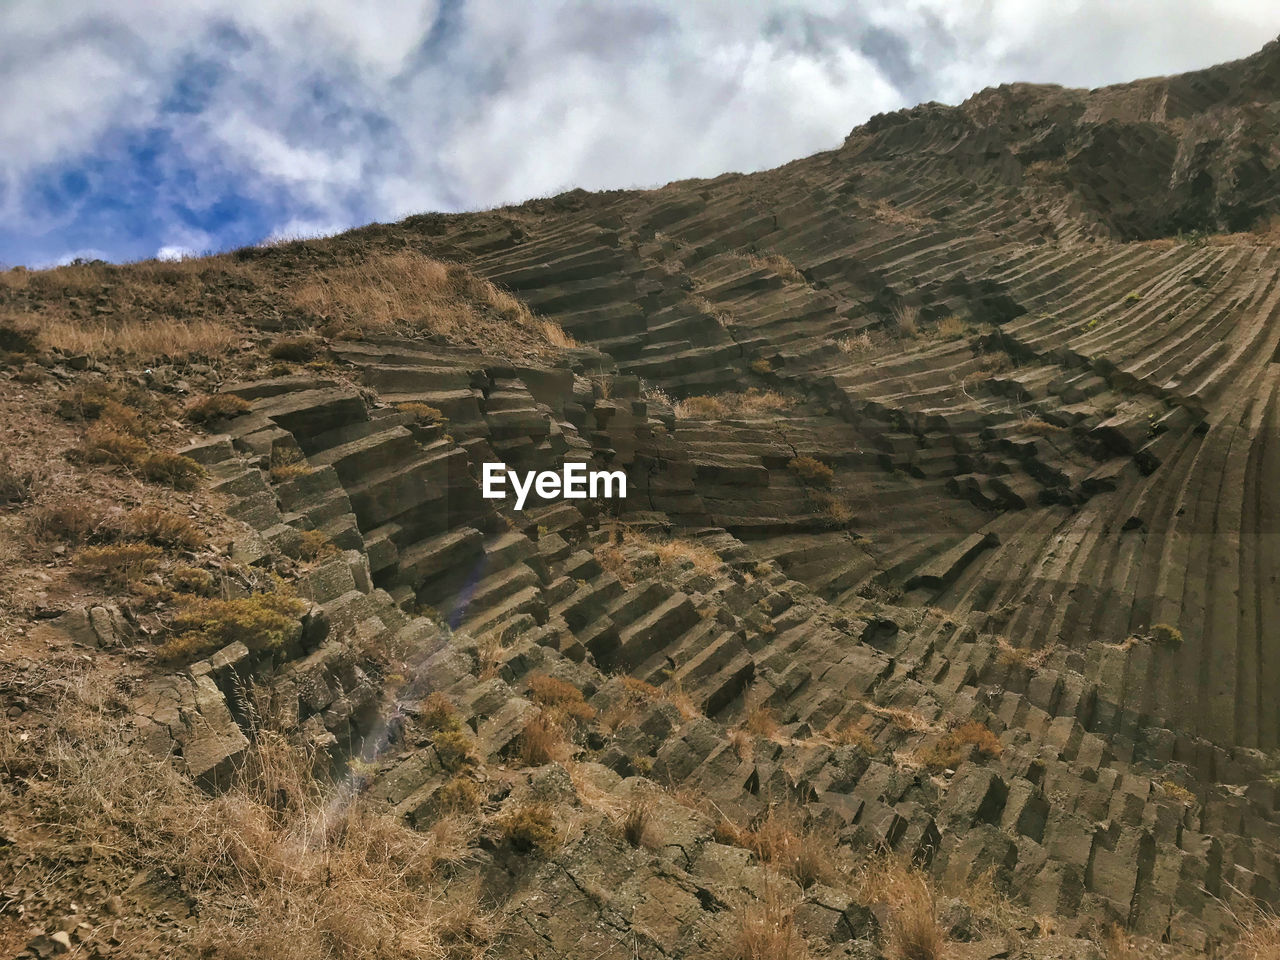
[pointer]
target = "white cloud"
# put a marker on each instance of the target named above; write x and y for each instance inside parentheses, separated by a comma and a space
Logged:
(337, 111)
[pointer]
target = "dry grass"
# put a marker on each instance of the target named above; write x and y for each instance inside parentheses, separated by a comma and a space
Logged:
(118, 565)
(557, 336)
(852, 735)
(956, 746)
(1040, 428)
(153, 339)
(906, 320)
(636, 820)
(949, 328)
(16, 485)
(1033, 660)
(812, 471)
(262, 621)
(914, 931)
(201, 308)
(562, 702)
(408, 292)
(70, 520)
(760, 721)
(315, 545)
(733, 405)
(161, 527)
(767, 931)
(783, 840)
(856, 345)
(833, 509)
(280, 866)
(779, 264)
(543, 741)
(216, 406)
(618, 555)
(531, 828)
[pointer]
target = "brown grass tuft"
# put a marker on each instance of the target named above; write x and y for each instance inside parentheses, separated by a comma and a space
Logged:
(543, 741)
(563, 701)
(530, 828)
(167, 529)
(767, 931)
(955, 746)
(914, 931)
(751, 403)
(812, 471)
(906, 320)
(295, 349)
(856, 345)
(316, 545)
(118, 564)
(216, 406)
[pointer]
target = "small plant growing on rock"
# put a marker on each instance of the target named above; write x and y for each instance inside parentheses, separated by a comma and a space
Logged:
(856, 345)
(955, 746)
(461, 794)
(767, 931)
(1166, 635)
(216, 406)
(530, 828)
(437, 713)
(637, 816)
(914, 931)
(563, 700)
(762, 366)
(906, 318)
(453, 748)
(542, 741)
(288, 463)
(812, 471)
(422, 411)
(316, 545)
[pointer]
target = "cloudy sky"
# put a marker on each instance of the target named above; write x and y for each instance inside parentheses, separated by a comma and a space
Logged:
(143, 128)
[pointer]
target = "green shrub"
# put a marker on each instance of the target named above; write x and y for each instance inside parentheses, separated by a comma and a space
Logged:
(1167, 635)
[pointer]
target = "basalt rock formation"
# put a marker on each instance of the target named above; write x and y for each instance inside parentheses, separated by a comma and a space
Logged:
(1034, 338)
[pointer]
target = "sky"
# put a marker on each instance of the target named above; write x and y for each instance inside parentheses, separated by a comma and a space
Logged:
(149, 128)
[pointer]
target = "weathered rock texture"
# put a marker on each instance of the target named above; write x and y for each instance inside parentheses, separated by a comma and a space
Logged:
(1087, 451)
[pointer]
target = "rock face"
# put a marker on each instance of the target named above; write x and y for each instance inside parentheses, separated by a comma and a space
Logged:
(1052, 446)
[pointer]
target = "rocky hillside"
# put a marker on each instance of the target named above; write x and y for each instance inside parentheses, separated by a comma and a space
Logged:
(938, 620)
